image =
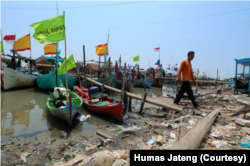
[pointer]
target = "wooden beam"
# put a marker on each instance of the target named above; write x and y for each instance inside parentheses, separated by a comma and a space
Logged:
(193, 138)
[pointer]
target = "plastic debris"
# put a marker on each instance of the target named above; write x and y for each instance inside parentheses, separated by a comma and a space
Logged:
(172, 135)
(218, 144)
(82, 117)
(151, 142)
(24, 155)
(85, 160)
(216, 134)
(245, 145)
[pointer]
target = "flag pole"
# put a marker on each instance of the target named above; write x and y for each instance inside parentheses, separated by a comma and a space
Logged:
(57, 51)
(66, 65)
(2, 43)
(30, 56)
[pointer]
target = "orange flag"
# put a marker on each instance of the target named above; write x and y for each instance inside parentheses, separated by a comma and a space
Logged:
(101, 49)
(50, 48)
(22, 43)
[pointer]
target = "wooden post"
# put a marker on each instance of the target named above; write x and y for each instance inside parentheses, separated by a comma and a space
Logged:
(90, 77)
(123, 82)
(109, 70)
(197, 81)
(130, 98)
(216, 80)
(193, 138)
(142, 103)
(70, 110)
(84, 67)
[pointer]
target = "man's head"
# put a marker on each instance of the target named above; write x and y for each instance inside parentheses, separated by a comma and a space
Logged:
(190, 55)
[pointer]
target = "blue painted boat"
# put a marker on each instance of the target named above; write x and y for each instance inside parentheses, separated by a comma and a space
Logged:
(142, 83)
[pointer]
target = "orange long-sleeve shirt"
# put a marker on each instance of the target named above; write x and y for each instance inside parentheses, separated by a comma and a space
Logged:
(186, 71)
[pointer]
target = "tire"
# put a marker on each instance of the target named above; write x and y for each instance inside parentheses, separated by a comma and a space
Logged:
(119, 136)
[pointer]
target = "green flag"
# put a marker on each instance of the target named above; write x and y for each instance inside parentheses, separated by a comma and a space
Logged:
(136, 58)
(50, 30)
(2, 50)
(70, 65)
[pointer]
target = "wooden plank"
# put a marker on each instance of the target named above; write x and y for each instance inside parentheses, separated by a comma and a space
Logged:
(193, 138)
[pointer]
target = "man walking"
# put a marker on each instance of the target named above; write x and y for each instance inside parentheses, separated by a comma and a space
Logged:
(187, 75)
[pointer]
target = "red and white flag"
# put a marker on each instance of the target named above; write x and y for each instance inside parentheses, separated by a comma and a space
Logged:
(157, 49)
(10, 39)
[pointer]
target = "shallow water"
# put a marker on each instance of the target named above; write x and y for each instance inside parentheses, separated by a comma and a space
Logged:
(24, 113)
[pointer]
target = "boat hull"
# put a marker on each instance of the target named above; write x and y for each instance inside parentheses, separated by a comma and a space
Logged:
(114, 108)
(15, 79)
(142, 83)
(63, 112)
(48, 81)
(157, 82)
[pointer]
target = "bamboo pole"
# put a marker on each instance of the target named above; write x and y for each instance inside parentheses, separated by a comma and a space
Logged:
(84, 68)
(130, 98)
(193, 138)
(78, 71)
(99, 67)
(66, 65)
(123, 83)
(149, 100)
(216, 80)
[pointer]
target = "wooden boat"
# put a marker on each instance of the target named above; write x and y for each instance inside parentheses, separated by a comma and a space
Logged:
(100, 103)
(48, 81)
(11, 79)
(59, 107)
(157, 82)
(142, 83)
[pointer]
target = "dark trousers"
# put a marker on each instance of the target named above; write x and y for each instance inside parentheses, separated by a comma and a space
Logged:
(185, 87)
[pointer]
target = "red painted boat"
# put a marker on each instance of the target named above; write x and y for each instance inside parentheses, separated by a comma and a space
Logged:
(102, 104)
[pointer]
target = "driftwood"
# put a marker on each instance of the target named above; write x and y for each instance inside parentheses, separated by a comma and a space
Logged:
(242, 111)
(149, 100)
(193, 138)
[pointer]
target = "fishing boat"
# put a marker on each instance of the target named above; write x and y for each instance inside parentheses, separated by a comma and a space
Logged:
(48, 81)
(157, 82)
(142, 83)
(100, 103)
(11, 79)
(62, 108)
